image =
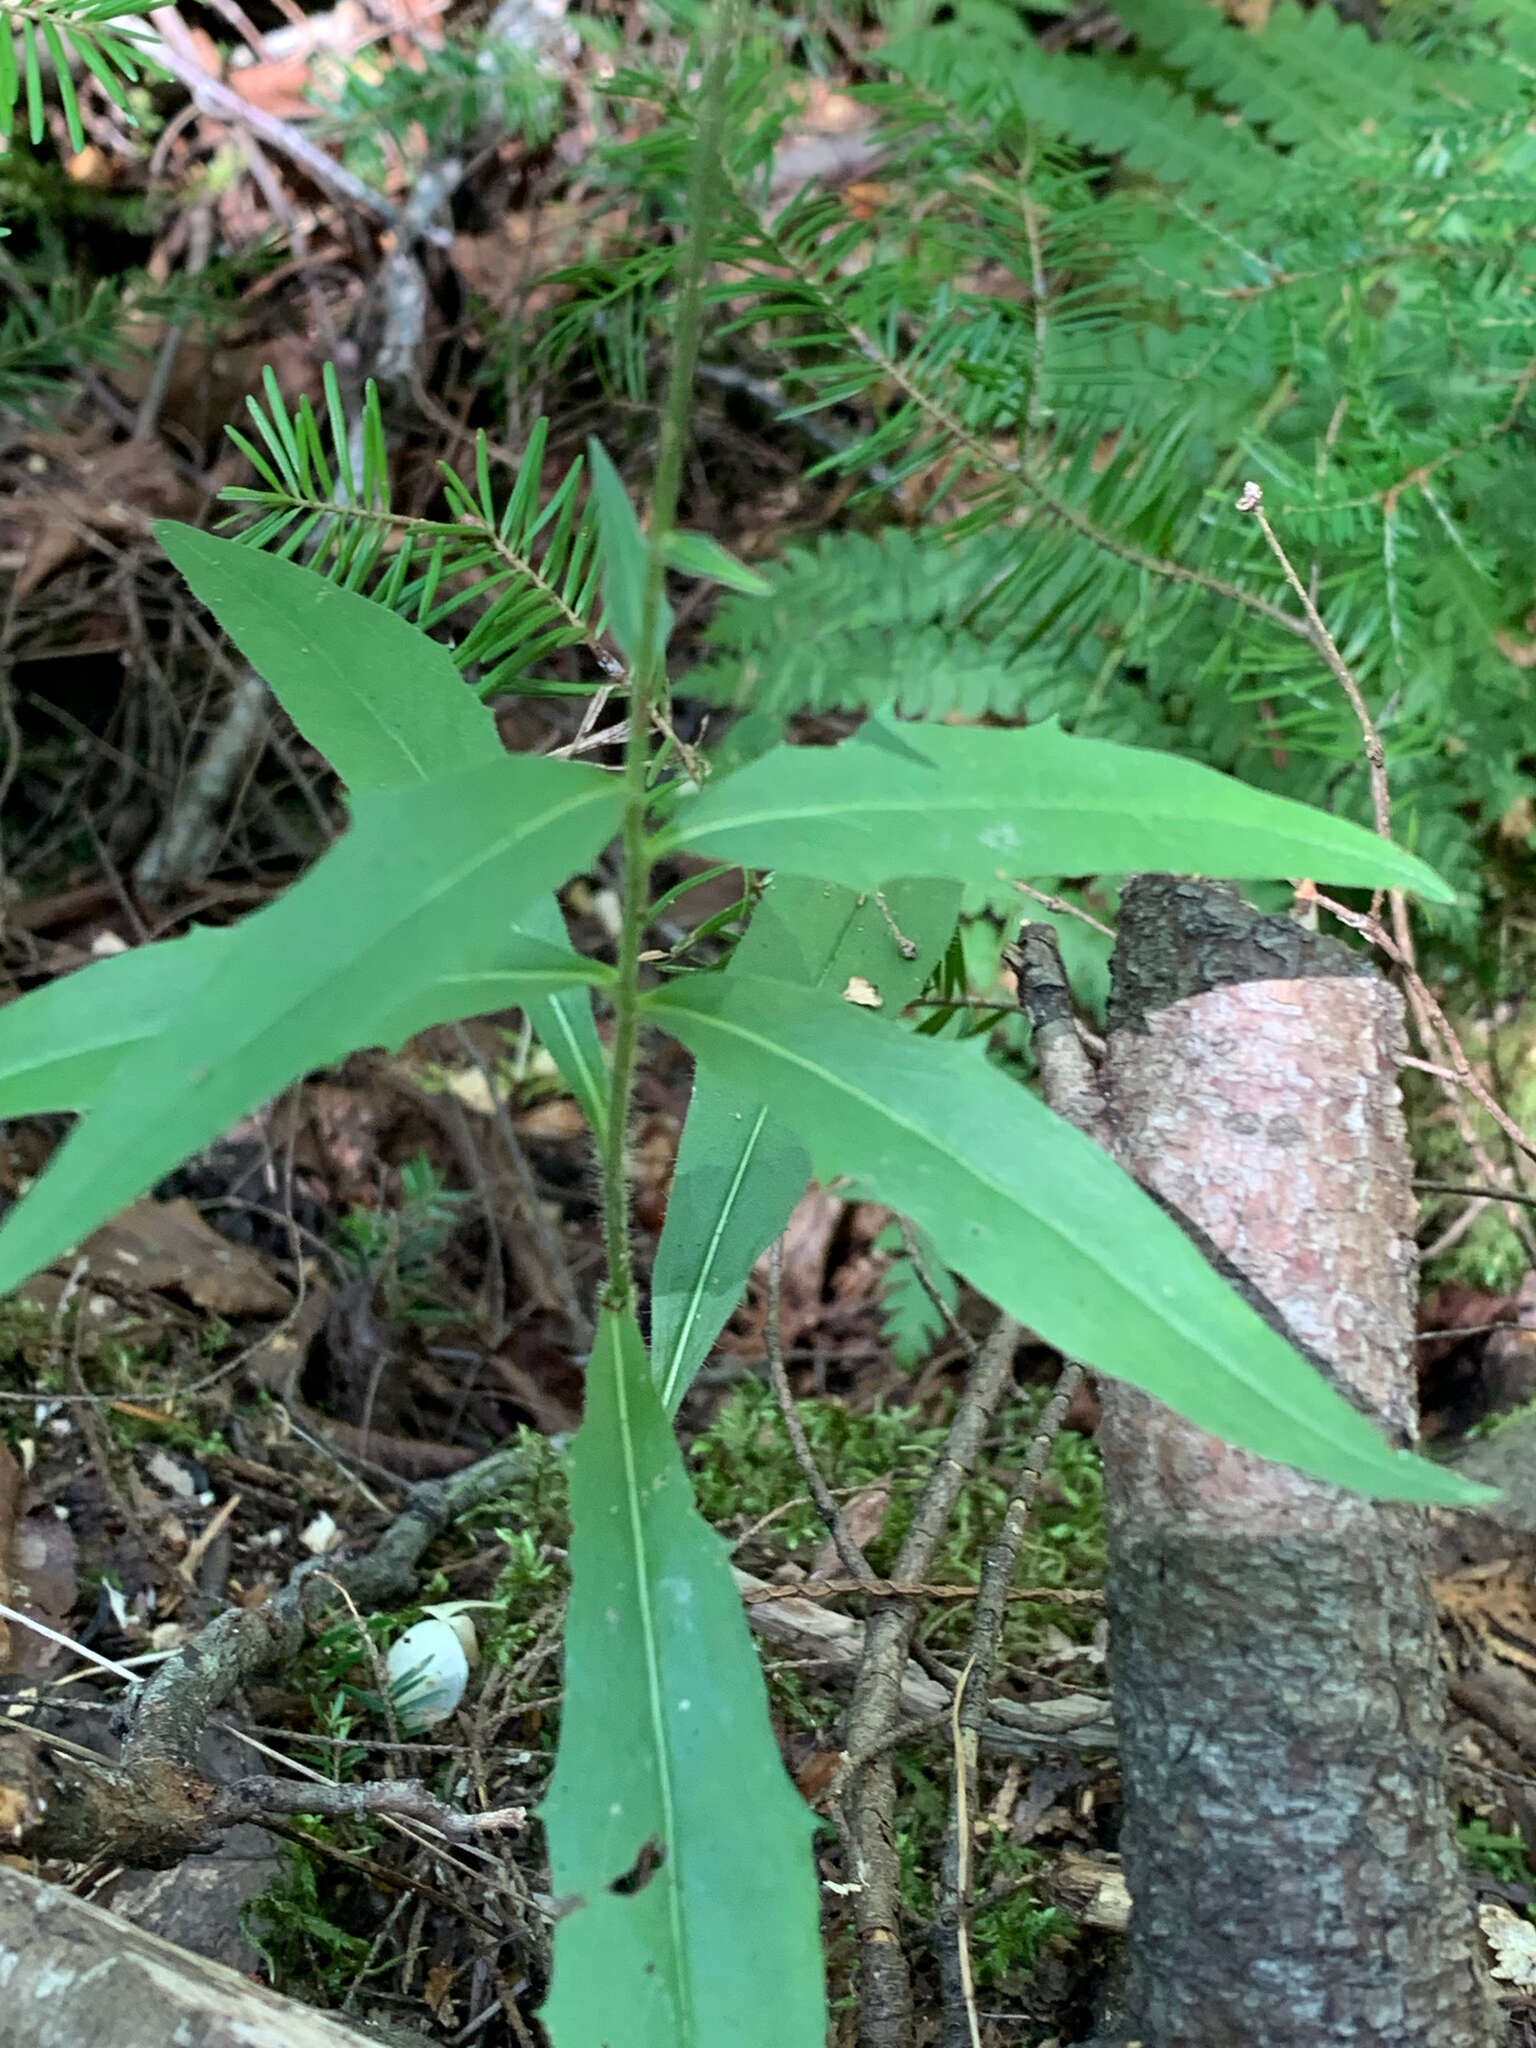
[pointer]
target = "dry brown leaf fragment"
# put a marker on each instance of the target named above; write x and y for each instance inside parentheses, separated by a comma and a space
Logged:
(863, 1518)
(166, 1246)
(37, 1572)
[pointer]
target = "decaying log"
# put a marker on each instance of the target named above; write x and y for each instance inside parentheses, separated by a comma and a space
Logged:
(74, 1975)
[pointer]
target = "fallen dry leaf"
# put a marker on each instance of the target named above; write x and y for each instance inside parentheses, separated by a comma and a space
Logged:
(808, 1235)
(863, 1518)
(560, 1117)
(159, 1247)
(1493, 1604)
(74, 488)
(280, 87)
(504, 267)
(37, 1573)
(210, 384)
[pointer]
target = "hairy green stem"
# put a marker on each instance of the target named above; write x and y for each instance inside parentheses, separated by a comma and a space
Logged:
(648, 676)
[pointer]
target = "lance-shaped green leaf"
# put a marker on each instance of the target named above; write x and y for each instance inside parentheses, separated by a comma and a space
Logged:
(424, 887)
(60, 1045)
(626, 558)
(1036, 1216)
(565, 1025)
(982, 804)
(387, 707)
(382, 701)
(529, 974)
(740, 1169)
(681, 1856)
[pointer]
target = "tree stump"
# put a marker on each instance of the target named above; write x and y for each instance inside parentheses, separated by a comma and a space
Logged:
(1274, 1658)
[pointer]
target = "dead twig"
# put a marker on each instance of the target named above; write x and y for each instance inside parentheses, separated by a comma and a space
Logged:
(936, 1301)
(1488, 1194)
(893, 1589)
(265, 1798)
(952, 1920)
(546, 1238)
(855, 1562)
(1429, 1019)
(1434, 1027)
(960, 2023)
(154, 1806)
(178, 53)
(869, 1794)
(835, 1642)
(182, 850)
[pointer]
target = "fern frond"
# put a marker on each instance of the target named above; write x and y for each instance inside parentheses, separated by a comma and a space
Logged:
(1305, 76)
(528, 564)
(910, 1319)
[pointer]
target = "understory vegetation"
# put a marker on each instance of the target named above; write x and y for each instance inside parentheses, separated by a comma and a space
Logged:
(542, 547)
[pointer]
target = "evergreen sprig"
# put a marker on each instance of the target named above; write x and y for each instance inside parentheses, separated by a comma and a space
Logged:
(96, 35)
(1097, 291)
(1082, 299)
(522, 564)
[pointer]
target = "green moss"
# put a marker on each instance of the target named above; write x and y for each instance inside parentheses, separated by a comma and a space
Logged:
(307, 1951)
(745, 1470)
(745, 1475)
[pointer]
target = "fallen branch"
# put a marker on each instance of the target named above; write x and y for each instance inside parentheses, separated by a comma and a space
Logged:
(155, 1806)
(75, 1973)
(177, 52)
(836, 1641)
(868, 1799)
(952, 1919)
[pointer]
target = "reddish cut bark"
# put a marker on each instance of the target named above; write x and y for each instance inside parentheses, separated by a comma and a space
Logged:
(1273, 1652)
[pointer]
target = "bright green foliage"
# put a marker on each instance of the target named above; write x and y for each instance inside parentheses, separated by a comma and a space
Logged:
(60, 1044)
(739, 1169)
(529, 566)
(1035, 1216)
(688, 1918)
(744, 1469)
(398, 1251)
(429, 875)
(457, 94)
(1087, 296)
(1505, 1857)
(696, 554)
(533, 564)
(295, 1937)
(626, 557)
(563, 1021)
(1073, 365)
(97, 33)
(983, 805)
(387, 708)
(384, 704)
(45, 335)
(861, 620)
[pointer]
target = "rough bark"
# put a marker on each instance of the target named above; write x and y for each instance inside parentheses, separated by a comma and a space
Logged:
(1273, 1653)
(73, 1975)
